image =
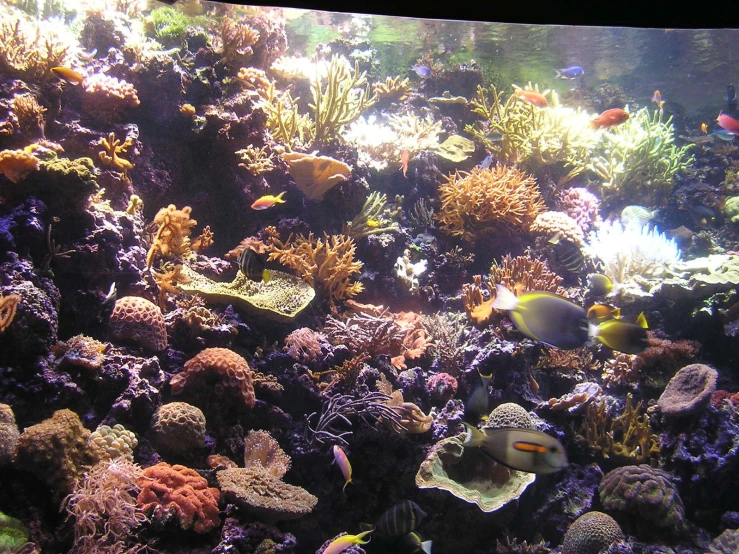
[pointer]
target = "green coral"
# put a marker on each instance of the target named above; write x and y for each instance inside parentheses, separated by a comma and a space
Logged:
(13, 533)
(373, 218)
(169, 25)
(281, 298)
(731, 209)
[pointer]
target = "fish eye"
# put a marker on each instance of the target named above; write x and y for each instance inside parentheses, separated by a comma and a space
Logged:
(553, 449)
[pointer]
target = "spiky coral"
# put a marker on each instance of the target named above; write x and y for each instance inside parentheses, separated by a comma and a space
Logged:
(500, 199)
(327, 263)
(393, 89)
(255, 160)
(173, 235)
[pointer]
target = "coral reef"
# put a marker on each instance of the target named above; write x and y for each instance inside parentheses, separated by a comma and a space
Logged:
(178, 427)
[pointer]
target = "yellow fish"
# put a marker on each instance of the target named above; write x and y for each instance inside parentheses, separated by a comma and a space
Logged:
(616, 334)
(373, 223)
(267, 201)
(343, 462)
(70, 75)
(338, 546)
(704, 128)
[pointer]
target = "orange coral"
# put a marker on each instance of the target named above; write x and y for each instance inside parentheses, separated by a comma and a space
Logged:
(109, 155)
(500, 199)
(181, 491)
(16, 165)
(167, 283)
(173, 235)
(8, 307)
(328, 263)
(254, 80)
(204, 241)
(107, 98)
(238, 39)
(316, 175)
(232, 369)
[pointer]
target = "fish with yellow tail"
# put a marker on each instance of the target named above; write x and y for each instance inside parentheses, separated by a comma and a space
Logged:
(338, 546)
(267, 201)
(520, 449)
(599, 284)
(343, 462)
(620, 335)
(69, 75)
(545, 317)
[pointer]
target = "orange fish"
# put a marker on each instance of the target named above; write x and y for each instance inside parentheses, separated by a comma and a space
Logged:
(533, 97)
(70, 75)
(404, 157)
(657, 99)
(609, 118)
(704, 128)
(267, 201)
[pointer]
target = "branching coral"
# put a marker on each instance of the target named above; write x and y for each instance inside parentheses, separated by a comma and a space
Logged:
(447, 333)
(304, 344)
(327, 263)
(255, 81)
(500, 199)
(173, 234)
(393, 89)
(238, 39)
(167, 282)
(569, 361)
(343, 377)
(8, 308)
(109, 156)
(28, 115)
(373, 218)
(255, 160)
(620, 371)
(285, 123)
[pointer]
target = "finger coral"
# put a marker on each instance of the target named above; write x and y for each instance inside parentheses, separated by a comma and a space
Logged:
(500, 199)
(180, 492)
(140, 321)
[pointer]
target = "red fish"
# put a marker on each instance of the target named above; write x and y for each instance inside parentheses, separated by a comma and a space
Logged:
(404, 157)
(728, 123)
(609, 118)
(533, 97)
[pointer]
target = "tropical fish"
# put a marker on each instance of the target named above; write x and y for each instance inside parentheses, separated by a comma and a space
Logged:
(609, 118)
(598, 313)
(338, 546)
(70, 75)
(399, 520)
(599, 284)
(637, 216)
(479, 401)
(702, 216)
(616, 334)
(704, 128)
(730, 98)
(728, 123)
(567, 253)
(424, 72)
(405, 156)
(267, 201)
(343, 462)
(723, 135)
(373, 223)
(545, 317)
(486, 163)
(494, 136)
(572, 72)
(417, 544)
(521, 449)
(533, 97)
(253, 265)
(657, 99)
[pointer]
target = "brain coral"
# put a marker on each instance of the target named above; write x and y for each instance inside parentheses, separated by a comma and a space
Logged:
(8, 434)
(140, 321)
(177, 427)
(644, 491)
(231, 369)
(591, 533)
(509, 414)
(689, 391)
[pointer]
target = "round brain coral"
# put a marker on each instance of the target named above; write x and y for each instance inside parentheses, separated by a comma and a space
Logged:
(230, 368)
(178, 427)
(140, 321)
(591, 533)
(509, 414)
(643, 491)
(689, 391)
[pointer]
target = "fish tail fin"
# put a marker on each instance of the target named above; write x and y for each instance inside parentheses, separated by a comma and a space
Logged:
(641, 321)
(266, 275)
(426, 546)
(279, 198)
(473, 437)
(558, 74)
(366, 526)
(504, 299)
(343, 489)
(358, 538)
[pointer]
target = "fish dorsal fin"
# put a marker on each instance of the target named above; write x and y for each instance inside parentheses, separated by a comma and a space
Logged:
(641, 321)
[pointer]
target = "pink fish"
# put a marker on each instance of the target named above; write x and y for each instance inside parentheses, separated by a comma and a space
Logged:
(343, 462)
(728, 123)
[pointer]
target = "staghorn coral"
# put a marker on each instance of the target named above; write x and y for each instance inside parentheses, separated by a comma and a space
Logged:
(551, 223)
(114, 442)
(178, 427)
(304, 344)
(328, 263)
(366, 333)
(689, 391)
(315, 175)
(591, 533)
(497, 200)
(140, 321)
(523, 274)
(173, 235)
(109, 155)
(180, 492)
(8, 309)
(107, 99)
(373, 218)
(393, 89)
(255, 160)
(231, 370)
(16, 165)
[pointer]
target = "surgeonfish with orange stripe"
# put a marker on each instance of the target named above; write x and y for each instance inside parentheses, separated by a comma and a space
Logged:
(520, 449)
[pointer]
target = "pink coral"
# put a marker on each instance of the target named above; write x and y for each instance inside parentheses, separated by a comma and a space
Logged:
(582, 206)
(442, 387)
(551, 223)
(106, 98)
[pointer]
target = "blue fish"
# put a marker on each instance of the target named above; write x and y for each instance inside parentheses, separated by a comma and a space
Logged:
(486, 163)
(422, 71)
(572, 72)
(724, 135)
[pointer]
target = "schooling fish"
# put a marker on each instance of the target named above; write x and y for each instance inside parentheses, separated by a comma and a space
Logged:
(572, 72)
(70, 75)
(599, 284)
(609, 118)
(399, 520)
(533, 97)
(343, 462)
(545, 317)
(616, 334)
(267, 201)
(479, 401)
(253, 265)
(598, 313)
(338, 546)
(422, 71)
(728, 123)
(521, 449)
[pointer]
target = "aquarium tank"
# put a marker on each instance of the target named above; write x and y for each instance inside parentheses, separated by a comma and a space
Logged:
(289, 281)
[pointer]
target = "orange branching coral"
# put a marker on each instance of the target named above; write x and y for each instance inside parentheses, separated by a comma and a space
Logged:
(173, 235)
(328, 263)
(16, 165)
(109, 155)
(8, 307)
(343, 376)
(569, 361)
(620, 371)
(28, 115)
(500, 199)
(167, 283)
(204, 240)
(238, 39)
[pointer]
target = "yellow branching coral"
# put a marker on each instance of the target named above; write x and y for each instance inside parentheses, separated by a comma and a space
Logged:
(346, 95)
(167, 283)
(109, 155)
(394, 89)
(373, 218)
(28, 115)
(285, 123)
(8, 307)
(173, 235)
(328, 263)
(16, 165)
(500, 199)
(255, 160)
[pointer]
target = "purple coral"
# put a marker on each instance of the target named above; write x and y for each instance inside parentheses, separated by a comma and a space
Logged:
(582, 206)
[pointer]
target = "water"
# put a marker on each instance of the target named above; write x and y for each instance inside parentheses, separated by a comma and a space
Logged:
(439, 232)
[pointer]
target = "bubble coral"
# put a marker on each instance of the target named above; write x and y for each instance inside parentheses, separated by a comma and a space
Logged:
(499, 199)
(16, 165)
(114, 442)
(591, 533)
(644, 492)
(178, 427)
(689, 391)
(230, 368)
(139, 320)
(179, 491)
(107, 98)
